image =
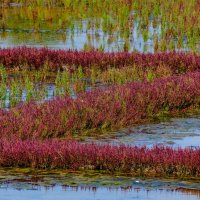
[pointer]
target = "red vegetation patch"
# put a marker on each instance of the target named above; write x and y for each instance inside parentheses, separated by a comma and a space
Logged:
(35, 58)
(142, 161)
(115, 107)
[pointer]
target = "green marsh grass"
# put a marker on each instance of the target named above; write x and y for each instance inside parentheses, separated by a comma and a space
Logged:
(170, 25)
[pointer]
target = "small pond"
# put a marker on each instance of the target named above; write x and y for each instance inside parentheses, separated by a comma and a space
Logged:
(176, 132)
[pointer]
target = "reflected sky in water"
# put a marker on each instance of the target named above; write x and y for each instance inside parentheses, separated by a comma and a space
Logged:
(176, 132)
(99, 194)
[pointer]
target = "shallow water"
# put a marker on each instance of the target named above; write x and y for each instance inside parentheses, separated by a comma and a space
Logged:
(49, 91)
(82, 185)
(176, 132)
(63, 39)
(68, 30)
(100, 194)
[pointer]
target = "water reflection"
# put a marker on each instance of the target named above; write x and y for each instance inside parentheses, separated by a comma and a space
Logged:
(125, 30)
(81, 40)
(43, 91)
(100, 194)
(177, 132)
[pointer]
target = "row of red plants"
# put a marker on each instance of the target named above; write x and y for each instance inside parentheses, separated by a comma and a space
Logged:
(141, 161)
(35, 58)
(102, 109)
